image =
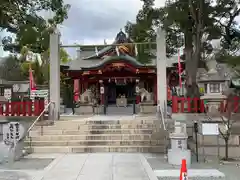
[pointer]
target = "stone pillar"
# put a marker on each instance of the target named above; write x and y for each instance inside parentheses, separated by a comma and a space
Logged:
(102, 92)
(161, 70)
(138, 98)
(155, 91)
(55, 75)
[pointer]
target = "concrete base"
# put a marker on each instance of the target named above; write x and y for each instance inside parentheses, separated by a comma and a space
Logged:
(147, 108)
(85, 109)
(62, 109)
(175, 156)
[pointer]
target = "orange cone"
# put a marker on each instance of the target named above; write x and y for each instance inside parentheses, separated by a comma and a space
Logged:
(183, 171)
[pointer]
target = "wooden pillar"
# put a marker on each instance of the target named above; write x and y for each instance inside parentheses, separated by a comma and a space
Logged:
(102, 92)
(155, 90)
(76, 90)
(80, 87)
(138, 98)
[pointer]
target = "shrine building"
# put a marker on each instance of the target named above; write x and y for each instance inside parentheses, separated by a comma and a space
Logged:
(113, 71)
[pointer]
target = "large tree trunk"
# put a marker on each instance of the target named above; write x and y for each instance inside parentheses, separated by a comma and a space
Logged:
(195, 37)
(191, 67)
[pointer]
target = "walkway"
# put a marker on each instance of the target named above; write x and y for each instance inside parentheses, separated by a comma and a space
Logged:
(92, 167)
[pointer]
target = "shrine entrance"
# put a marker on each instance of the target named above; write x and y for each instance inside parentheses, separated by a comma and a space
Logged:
(118, 90)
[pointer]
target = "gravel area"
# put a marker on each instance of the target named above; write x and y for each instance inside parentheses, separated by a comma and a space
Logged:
(231, 170)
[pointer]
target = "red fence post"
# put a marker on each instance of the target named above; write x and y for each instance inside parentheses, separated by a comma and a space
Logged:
(189, 108)
(36, 107)
(23, 108)
(174, 104)
(7, 109)
(41, 105)
(13, 108)
(29, 108)
(18, 108)
(195, 104)
(182, 99)
(202, 106)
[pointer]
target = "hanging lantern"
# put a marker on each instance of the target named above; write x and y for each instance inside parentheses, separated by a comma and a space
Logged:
(125, 81)
(109, 80)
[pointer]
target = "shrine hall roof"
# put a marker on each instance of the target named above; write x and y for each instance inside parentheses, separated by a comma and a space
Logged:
(98, 63)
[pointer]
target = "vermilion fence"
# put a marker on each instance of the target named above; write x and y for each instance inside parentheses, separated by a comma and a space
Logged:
(196, 105)
(22, 108)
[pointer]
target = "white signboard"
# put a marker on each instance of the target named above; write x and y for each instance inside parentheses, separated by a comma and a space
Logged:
(40, 93)
(8, 93)
(12, 132)
(210, 129)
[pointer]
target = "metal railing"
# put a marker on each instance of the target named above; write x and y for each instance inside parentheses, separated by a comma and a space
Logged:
(161, 115)
(39, 117)
(35, 122)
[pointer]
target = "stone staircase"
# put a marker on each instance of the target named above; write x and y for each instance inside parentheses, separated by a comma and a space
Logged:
(78, 136)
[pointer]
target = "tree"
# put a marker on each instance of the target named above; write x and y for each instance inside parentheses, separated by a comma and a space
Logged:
(22, 18)
(39, 65)
(194, 22)
(228, 121)
(10, 69)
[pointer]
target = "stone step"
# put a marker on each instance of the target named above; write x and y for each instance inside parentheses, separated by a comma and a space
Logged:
(97, 126)
(97, 143)
(113, 121)
(94, 137)
(95, 131)
(92, 149)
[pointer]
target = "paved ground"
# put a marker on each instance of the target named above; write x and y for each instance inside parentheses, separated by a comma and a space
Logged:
(83, 167)
(231, 171)
(107, 166)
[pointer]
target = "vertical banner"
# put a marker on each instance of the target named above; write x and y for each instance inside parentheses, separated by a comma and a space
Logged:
(76, 90)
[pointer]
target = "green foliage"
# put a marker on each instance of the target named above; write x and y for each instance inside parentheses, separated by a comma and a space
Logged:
(180, 22)
(10, 69)
(23, 20)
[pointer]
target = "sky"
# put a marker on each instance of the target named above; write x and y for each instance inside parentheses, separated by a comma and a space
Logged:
(92, 21)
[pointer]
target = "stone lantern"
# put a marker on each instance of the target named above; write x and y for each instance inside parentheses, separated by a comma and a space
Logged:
(213, 83)
(179, 150)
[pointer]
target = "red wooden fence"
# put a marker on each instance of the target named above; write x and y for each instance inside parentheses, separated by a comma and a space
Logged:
(196, 105)
(22, 108)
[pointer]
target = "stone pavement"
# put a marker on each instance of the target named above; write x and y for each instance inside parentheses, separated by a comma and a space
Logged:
(231, 170)
(98, 166)
(110, 166)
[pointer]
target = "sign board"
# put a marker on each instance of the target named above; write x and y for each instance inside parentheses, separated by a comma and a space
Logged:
(12, 132)
(39, 93)
(44, 93)
(8, 93)
(210, 129)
